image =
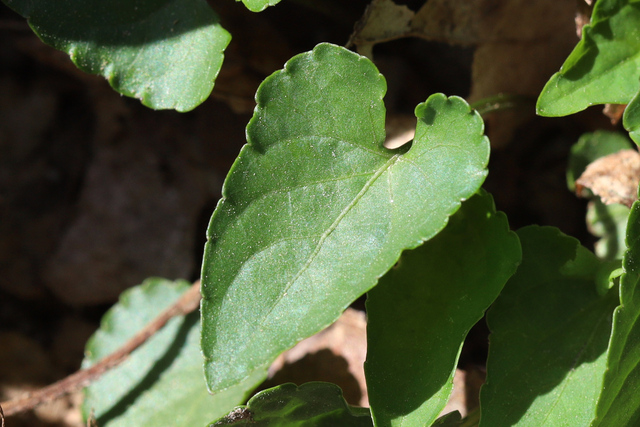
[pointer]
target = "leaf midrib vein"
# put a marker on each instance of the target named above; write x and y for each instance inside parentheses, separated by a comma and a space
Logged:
(329, 230)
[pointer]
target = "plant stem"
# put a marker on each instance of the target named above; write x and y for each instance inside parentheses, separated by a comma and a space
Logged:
(187, 303)
(501, 102)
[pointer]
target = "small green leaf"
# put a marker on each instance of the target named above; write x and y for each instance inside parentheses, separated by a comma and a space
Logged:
(259, 5)
(609, 222)
(605, 65)
(167, 53)
(590, 147)
(631, 118)
(618, 405)
(549, 332)
(421, 311)
(312, 404)
(315, 209)
(452, 419)
(161, 383)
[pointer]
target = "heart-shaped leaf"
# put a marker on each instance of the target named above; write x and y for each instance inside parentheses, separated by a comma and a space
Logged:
(315, 209)
(603, 68)
(421, 311)
(167, 53)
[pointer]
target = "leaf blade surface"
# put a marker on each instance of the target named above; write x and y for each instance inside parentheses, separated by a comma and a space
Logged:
(421, 311)
(618, 404)
(167, 53)
(315, 404)
(549, 332)
(161, 383)
(324, 207)
(603, 67)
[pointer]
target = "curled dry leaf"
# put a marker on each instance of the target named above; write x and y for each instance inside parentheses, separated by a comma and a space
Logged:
(614, 178)
(614, 112)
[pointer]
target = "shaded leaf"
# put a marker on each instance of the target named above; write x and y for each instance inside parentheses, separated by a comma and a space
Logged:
(315, 209)
(167, 53)
(427, 305)
(590, 147)
(631, 118)
(603, 68)
(312, 404)
(609, 222)
(549, 332)
(452, 419)
(161, 383)
(259, 5)
(618, 405)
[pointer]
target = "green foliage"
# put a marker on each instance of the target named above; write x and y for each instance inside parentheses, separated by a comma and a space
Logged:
(549, 332)
(617, 404)
(315, 212)
(456, 275)
(609, 222)
(167, 53)
(631, 118)
(603, 68)
(162, 379)
(314, 194)
(312, 404)
(259, 5)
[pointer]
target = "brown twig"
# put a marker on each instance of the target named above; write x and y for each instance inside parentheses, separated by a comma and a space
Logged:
(187, 303)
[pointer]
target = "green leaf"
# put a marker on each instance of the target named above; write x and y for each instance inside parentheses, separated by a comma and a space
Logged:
(314, 404)
(618, 405)
(452, 419)
(259, 5)
(549, 332)
(421, 311)
(315, 209)
(609, 222)
(605, 65)
(161, 383)
(590, 147)
(631, 118)
(167, 53)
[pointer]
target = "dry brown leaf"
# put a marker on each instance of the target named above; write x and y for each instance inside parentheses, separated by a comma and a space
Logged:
(401, 128)
(466, 23)
(466, 391)
(614, 178)
(614, 112)
(383, 20)
(519, 43)
(335, 355)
